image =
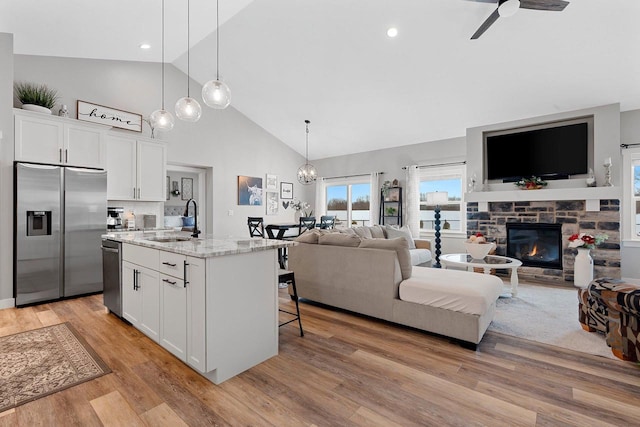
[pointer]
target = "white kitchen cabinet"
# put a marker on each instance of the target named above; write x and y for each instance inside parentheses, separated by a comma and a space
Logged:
(141, 298)
(196, 313)
(173, 306)
(56, 140)
(136, 169)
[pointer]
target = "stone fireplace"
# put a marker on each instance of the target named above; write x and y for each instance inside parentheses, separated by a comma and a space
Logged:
(569, 216)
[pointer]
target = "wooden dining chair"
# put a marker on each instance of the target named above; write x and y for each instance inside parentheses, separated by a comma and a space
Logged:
(327, 222)
(306, 223)
(256, 226)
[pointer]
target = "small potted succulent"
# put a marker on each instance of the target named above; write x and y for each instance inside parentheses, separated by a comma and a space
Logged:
(36, 97)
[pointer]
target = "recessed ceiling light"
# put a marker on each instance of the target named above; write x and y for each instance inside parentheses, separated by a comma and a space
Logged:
(145, 46)
(392, 32)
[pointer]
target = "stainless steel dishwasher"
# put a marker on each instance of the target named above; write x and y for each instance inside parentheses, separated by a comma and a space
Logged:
(112, 275)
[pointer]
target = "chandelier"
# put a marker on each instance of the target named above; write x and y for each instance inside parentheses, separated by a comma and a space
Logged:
(307, 173)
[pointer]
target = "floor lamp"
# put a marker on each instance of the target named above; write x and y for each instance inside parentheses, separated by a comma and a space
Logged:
(436, 199)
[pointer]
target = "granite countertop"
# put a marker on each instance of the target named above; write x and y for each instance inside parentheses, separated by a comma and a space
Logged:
(202, 247)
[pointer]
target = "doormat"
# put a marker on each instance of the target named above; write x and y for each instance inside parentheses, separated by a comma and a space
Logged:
(43, 361)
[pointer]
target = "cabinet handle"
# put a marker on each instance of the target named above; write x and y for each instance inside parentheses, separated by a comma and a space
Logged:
(169, 264)
(135, 280)
(66, 155)
(185, 273)
(60, 150)
(138, 192)
(169, 281)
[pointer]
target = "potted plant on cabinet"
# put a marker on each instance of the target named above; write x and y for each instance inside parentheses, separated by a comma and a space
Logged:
(36, 97)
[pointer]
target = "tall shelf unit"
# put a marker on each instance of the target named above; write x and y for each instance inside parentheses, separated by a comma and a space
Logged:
(391, 206)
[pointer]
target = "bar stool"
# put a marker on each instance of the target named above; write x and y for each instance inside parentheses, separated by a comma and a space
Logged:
(286, 276)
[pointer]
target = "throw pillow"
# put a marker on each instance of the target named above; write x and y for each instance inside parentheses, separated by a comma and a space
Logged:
(377, 232)
(400, 245)
(309, 236)
(188, 221)
(347, 231)
(339, 239)
(363, 232)
(404, 231)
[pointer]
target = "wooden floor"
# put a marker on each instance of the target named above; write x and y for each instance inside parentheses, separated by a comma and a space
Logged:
(346, 370)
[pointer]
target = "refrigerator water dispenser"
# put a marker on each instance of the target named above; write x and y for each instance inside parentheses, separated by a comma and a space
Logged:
(38, 223)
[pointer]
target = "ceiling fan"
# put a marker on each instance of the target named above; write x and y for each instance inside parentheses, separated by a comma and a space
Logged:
(509, 7)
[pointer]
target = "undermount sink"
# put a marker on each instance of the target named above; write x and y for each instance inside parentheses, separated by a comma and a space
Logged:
(168, 239)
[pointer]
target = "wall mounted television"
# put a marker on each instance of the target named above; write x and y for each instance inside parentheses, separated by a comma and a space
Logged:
(550, 151)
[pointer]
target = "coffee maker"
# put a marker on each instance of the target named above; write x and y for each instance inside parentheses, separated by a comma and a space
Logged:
(114, 218)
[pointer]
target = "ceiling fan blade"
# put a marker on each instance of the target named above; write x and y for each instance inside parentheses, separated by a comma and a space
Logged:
(486, 24)
(552, 5)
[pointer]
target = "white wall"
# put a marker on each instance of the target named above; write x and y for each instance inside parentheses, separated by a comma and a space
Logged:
(224, 140)
(6, 171)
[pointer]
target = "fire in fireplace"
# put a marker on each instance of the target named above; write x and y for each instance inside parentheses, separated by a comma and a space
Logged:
(535, 244)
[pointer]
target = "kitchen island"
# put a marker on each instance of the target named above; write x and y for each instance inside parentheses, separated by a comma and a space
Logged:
(211, 302)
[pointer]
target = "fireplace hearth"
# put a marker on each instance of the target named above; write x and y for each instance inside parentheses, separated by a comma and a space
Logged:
(535, 244)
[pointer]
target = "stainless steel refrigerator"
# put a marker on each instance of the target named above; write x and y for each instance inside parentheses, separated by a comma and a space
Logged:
(59, 220)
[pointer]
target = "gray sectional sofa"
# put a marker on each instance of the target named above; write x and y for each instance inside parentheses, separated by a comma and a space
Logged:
(374, 277)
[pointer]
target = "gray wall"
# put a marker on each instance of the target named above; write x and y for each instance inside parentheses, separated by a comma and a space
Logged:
(6, 174)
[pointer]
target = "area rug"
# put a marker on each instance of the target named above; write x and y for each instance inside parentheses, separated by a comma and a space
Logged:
(547, 314)
(40, 362)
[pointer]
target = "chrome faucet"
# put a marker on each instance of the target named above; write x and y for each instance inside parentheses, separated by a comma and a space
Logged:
(195, 217)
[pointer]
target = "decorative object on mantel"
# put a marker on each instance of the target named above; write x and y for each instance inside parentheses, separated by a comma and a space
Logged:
(533, 183)
(34, 97)
(607, 172)
(215, 93)
(437, 198)
(307, 173)
(187, 108)
(303, 208)
(591, 179)
(63, 111)
(162, 119)
(102, 115)
(583, 264)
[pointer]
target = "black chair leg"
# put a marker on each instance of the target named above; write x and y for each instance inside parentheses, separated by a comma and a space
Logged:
(290, 278)
(295, 298)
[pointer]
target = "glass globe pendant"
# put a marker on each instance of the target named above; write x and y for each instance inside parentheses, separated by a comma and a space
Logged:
(216, 94)
(162, 120)
(187, 108)
(307, 173)
(508, 8)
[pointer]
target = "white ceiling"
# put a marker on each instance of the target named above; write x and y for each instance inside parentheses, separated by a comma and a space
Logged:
(330, 61)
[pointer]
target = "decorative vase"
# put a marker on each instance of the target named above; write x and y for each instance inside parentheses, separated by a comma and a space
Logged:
(37, 108)
(583, 268)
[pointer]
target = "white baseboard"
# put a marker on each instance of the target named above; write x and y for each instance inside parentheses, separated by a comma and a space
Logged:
(7, 303)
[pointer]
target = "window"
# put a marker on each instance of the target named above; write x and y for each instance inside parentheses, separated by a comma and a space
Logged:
(349, 201)
(452, 215)
(630, 211)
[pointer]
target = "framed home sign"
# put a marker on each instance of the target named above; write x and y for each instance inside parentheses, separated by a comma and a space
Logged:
(286, 190)
(100, 114)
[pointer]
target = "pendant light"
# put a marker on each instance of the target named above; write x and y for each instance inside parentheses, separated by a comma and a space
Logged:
(307, 173)
(215, 93)
(187, 108)
(162, 119)
(508, 8)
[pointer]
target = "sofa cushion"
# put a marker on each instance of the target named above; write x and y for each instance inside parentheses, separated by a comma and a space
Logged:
(377, 232)
(454, 290)
(404, 231)
(339, 239)
(348, 230)
(363, 232)
(400, 245)
(309, 236)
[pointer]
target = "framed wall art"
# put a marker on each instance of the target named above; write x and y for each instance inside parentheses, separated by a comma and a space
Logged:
(272, 182)
(249, 190)
(271, 203)
(286, 190)
(100, 114)
(187, 188)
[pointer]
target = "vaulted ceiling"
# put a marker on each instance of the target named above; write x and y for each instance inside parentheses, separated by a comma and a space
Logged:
(331, 61)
